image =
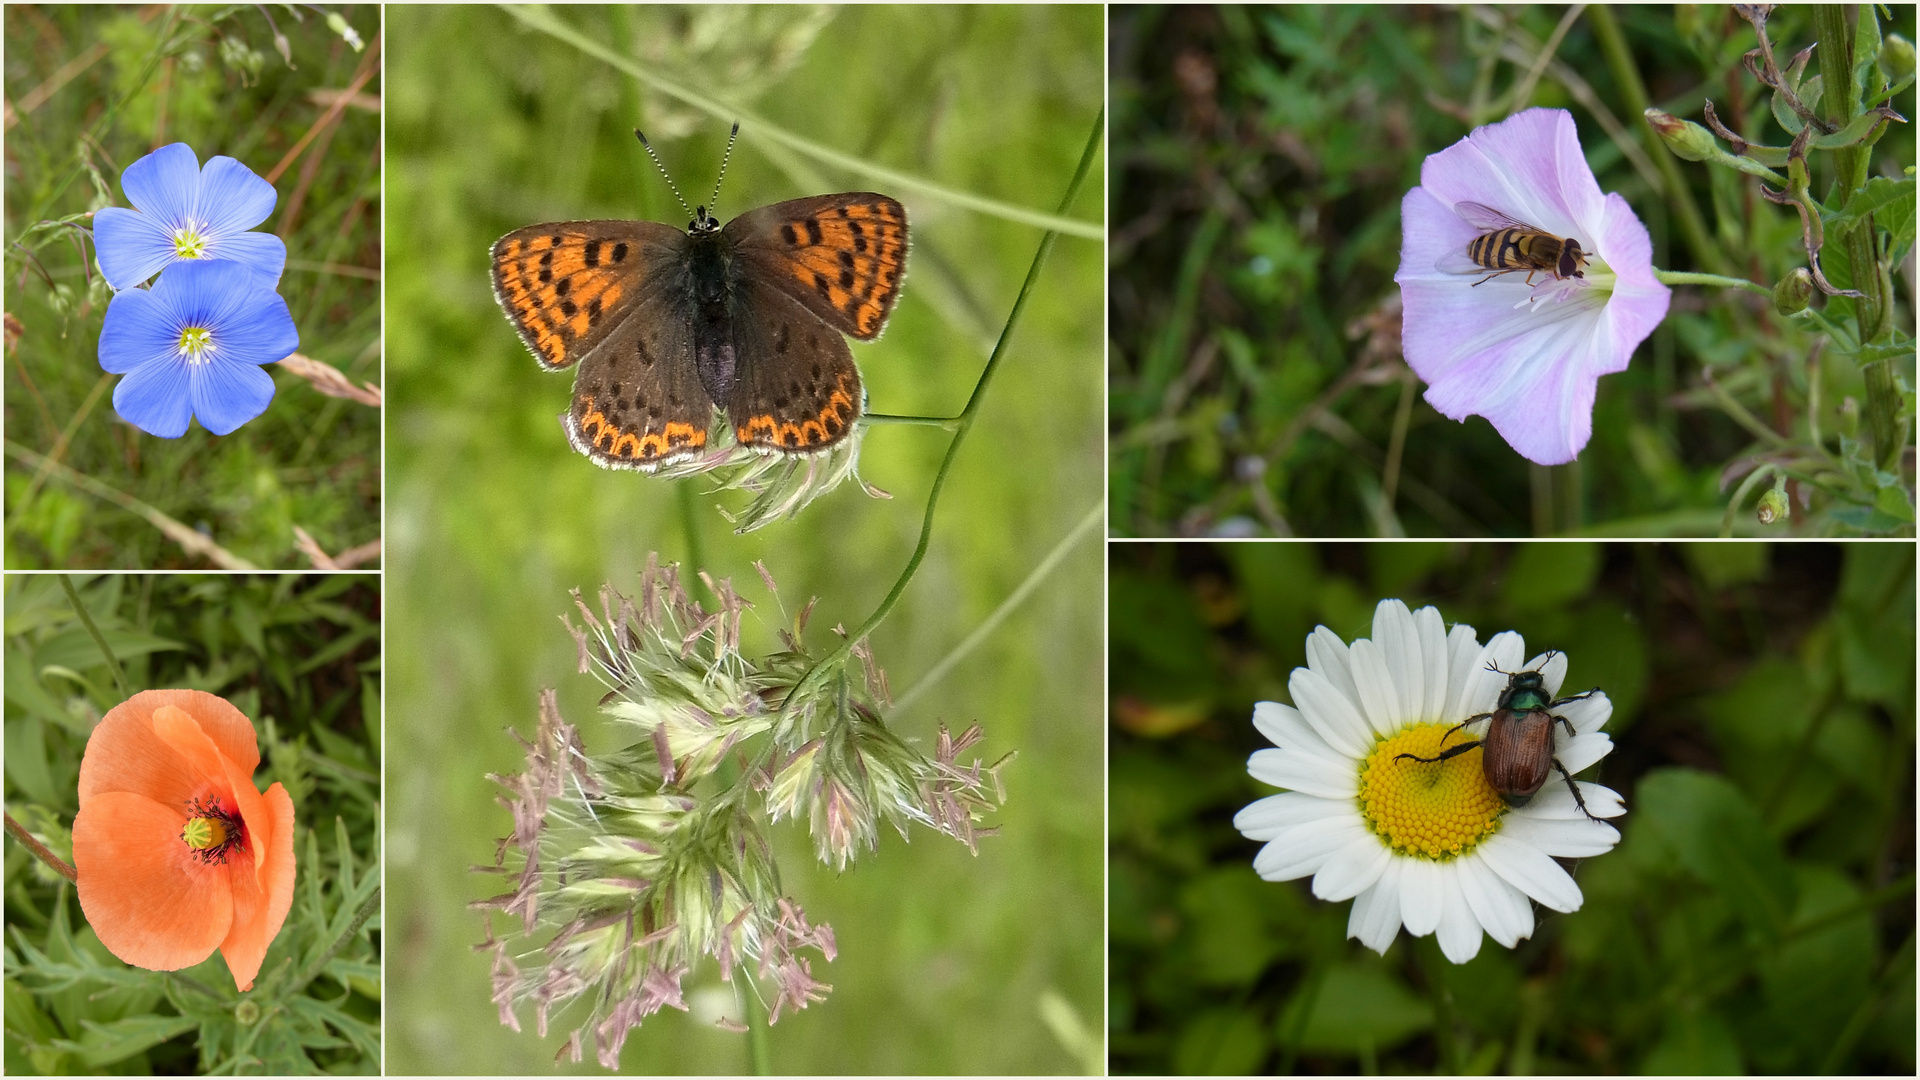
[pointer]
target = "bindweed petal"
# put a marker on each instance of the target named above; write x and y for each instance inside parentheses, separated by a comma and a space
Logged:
(1526, 354)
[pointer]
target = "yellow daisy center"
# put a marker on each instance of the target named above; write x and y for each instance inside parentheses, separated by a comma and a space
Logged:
(1438, 809)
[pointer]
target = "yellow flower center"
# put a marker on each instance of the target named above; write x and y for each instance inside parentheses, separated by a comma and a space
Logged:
(196, 343)
(202, 833)
(1438, 809)
(188, 243)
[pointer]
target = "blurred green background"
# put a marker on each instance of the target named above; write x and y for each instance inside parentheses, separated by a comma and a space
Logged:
(299, 655)
(1261, 157)
(948, 963)
(92, 89)
(1757, 916)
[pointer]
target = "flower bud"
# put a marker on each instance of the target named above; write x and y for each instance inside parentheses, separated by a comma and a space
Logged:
(1773, 506)
(1790, 296)
(1896, 57)
(1685, 138)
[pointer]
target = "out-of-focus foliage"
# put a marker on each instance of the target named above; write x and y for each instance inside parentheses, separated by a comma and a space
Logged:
(1756, 917)
(300, 657)
(89, 91)
(1256, 380)
(947, 963)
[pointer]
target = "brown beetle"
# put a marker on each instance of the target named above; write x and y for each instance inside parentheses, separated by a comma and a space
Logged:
(1518, 745)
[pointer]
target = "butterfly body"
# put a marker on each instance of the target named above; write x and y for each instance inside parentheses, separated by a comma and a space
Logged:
(664, 325)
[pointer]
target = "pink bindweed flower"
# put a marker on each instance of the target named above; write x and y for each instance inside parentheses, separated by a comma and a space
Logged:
(1528, 357)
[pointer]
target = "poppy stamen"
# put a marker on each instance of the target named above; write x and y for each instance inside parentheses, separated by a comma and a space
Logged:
(211, 833)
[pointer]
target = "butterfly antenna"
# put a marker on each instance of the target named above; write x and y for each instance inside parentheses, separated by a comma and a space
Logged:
(724, 158)
(671, 186)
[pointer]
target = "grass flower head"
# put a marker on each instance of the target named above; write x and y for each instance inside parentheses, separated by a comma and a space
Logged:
(634, 866)
(1428, 845)
(178, 853)
(1526, 351)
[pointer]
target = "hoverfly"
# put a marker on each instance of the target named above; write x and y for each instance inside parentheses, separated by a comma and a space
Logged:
(1506, 246)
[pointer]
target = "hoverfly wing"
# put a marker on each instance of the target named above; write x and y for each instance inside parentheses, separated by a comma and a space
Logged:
(1457, 262)
(1487, 219)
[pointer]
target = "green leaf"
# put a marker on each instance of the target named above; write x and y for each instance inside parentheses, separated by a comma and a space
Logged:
(1717, 836)
(1544, 576)
(1358, 1005)
(1870, 198)
(1221, 1042)
(104, 1044)
(76, 648)
(27, 760)
(1874, 621)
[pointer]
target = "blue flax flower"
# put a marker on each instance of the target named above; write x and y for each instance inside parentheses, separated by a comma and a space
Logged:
(192, 346)
(184, 214)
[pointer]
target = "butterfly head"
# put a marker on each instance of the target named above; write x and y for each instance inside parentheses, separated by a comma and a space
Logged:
(703, 222)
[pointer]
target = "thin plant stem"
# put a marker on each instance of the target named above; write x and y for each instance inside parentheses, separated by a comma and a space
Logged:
(312, 971)
(189, 540)
(113, 662)
(1443, 1034)
(1014, 599)
(41, 851)
(964, 424)
(1693, 227)
(542, 18)
(759, 1054)
(1682, 277)
(1753, 480)
(690, 523)
(947, 423)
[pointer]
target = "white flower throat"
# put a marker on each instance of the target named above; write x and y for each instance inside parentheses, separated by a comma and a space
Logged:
(189, 242)
(196, 344)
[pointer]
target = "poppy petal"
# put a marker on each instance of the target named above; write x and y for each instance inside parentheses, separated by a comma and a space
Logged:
(262, 895)
(125, 754)
(151, 902)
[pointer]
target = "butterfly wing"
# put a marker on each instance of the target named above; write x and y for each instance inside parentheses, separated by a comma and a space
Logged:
(795, 389)
(842, 257)
(568, 285)
(637, 400)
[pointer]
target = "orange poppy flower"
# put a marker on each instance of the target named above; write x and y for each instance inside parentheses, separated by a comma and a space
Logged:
(178, 853)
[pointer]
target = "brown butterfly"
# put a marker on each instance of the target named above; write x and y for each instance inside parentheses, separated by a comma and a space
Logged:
(667, 325)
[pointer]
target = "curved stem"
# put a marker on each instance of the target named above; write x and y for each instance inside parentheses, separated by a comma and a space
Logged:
(19, 832)
(1752, 481)
(113, 663)
(962, 424)
(948, 423)
(1682, 277)
(312, 971)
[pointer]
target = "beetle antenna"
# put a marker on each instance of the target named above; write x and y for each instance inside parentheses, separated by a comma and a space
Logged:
(671, 186)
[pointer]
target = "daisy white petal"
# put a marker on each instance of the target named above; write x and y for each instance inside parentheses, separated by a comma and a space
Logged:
(1283, 726)
(1268, 818)
(1379, 813)
(1459, 931)
(1528, 869)
(1420, 896)
(1301, 772)
(1375, 920)
(1575, 838)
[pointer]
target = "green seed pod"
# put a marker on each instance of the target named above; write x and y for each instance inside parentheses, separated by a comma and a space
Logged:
(1896, 57)
(1793, 292)
(1774, 507)
(1685, 138)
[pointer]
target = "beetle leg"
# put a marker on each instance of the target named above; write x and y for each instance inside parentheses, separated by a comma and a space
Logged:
(1575, 697)
(1444, 754)
(1561, 719)
(1463, 723)
(1575, 788)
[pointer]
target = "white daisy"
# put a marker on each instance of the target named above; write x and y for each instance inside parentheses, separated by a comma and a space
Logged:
(1428, 845)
